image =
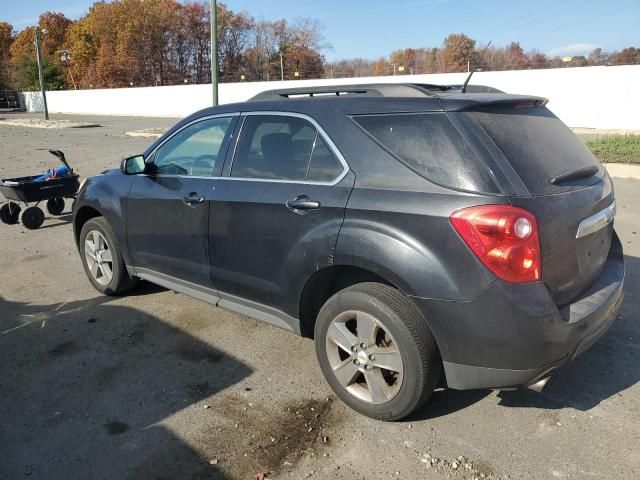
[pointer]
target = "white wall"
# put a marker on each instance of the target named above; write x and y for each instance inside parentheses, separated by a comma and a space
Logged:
(587, 97)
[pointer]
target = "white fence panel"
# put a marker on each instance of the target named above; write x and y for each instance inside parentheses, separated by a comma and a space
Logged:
(587, 97)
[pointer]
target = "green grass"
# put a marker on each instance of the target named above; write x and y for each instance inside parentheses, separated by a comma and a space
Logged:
(616, 148)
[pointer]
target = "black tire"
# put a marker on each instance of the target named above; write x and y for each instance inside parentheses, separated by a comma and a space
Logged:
(55, 206)
(32, 217)
(10, 213)
(422, 365)
(120, 282)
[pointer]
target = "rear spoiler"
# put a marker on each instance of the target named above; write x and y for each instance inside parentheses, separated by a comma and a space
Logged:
(502, 102)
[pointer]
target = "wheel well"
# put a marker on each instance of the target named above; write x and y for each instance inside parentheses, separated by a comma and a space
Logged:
(83, 216)
(323, 284)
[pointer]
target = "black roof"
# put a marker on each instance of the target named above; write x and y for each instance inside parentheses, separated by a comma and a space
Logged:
(398, 90)
(374, 98)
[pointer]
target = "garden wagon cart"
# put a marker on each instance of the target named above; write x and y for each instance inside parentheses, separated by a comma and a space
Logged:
(35, 189)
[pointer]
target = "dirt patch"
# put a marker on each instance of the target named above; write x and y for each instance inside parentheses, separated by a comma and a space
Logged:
(199, 354)
(200, 390)
(66, 348)
(41, 123)
(147, 132)
(260, 439)
(115, 427)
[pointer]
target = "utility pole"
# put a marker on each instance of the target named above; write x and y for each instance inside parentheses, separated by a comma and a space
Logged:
(214, 50)
(40, 74)
(66, 59)
(281, 68)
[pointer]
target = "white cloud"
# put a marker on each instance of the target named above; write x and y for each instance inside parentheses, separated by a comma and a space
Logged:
(574, 49)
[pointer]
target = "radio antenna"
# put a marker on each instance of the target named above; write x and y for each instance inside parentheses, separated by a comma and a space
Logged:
(475, 67)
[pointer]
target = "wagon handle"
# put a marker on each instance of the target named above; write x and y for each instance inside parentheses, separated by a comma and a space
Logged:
(60, 155)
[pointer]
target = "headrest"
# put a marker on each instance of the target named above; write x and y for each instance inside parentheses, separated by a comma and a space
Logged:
(276, 146)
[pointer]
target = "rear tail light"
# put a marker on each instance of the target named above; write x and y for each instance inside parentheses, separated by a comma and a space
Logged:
(504, 238)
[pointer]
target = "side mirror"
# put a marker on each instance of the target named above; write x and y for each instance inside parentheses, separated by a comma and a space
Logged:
(133, 165)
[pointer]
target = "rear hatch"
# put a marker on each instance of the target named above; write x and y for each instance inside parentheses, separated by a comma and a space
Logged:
(567, 185)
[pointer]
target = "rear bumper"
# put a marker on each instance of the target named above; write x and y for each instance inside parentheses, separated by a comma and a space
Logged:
(513, 335)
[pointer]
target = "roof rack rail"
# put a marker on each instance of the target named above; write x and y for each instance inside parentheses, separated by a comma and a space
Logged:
(369, 90)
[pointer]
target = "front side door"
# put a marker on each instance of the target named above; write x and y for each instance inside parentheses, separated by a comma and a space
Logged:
(278, 210)
(168, 206)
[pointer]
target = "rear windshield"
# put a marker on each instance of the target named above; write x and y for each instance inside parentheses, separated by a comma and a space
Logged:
(432, 146)
(537, 144)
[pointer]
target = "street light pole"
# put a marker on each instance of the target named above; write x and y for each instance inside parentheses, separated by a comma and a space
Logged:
(214, 50)
(40, 74)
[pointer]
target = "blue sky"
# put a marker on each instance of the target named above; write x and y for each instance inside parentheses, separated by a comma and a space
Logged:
(372, 28)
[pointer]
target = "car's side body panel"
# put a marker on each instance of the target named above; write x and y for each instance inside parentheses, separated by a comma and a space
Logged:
(263, 251)
(107, 195)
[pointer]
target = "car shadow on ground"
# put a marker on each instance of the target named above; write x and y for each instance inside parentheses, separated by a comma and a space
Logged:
(606, 369)
(88, 388)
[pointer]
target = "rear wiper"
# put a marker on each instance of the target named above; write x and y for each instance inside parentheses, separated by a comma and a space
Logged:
(583, 172)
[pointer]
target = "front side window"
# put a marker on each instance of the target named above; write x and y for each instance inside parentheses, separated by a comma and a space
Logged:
(277, 147)
(194, 150)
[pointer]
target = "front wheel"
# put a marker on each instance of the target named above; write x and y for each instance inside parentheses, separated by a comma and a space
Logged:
(32, 217)
(102, 260)
(376, 352)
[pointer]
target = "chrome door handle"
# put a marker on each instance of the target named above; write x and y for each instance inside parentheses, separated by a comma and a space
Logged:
(193, 199)
(302, 204)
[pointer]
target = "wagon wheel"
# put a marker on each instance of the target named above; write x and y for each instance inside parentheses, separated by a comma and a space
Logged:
(10, 213)
(32, 218)
(55, 206)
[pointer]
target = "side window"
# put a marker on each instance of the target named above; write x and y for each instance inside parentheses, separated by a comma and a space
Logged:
(324, 166)
(279, 147)
(194, 150)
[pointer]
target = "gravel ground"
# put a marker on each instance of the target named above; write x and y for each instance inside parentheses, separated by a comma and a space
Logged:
(158, 385)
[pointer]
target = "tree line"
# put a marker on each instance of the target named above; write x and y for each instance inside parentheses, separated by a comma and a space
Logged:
(459, 53)
(166, 42)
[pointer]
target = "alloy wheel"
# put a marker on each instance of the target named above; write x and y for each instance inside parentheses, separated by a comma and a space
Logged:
(98, 256)
(364, 357)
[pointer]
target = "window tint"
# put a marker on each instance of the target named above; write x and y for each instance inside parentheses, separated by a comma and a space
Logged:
(324, 166)
(283, 148)
(194, 150)
(274, 147)
(431, 145)
(537, 144)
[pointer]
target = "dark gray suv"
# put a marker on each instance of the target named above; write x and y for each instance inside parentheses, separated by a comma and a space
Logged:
(423, 237)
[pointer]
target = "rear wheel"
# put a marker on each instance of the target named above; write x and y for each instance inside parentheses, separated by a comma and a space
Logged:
(102, 259)
(32, 217)
(55, 206)
(10, 213)
(376, 351)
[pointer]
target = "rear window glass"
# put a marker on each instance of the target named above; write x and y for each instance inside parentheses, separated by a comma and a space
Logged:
(537, 144)
(431, 145)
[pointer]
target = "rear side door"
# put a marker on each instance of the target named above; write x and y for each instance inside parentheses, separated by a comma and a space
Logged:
(168, 206)
(277, 211)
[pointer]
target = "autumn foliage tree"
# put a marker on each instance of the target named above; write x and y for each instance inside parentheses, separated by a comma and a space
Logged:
(125, 43)
(458, 52)
(6, 39)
